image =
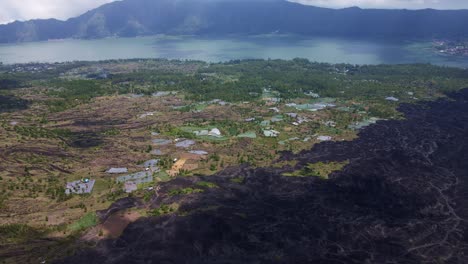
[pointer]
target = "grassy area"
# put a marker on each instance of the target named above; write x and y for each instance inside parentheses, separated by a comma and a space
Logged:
(101, 186)
(249, 134)
(192, 129)
(164, 209)
(207, 184)
(237, 180)
(87, 221)
(162, 176)
(184, 191)
(18, 233)
(319, 169)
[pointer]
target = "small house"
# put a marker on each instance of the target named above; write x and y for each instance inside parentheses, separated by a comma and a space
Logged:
(215, 132)
(80, 187)
(130, 187)
(324, 138)
(117, 170)
(198, 152)
(185, 144)
(392, 99)
(271, 133)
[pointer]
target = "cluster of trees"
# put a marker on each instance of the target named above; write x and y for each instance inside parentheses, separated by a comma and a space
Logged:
(245, 80)
(40, 132)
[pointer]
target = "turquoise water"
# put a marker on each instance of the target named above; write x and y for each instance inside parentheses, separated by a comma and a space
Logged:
(332, 50)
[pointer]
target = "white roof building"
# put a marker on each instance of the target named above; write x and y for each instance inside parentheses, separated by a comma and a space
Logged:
(215, 132)
(117, 170)
(393, 99)
(271, 133)
(324, 138)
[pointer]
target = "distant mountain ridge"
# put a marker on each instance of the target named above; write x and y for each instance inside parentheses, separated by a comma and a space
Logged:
(130, 18)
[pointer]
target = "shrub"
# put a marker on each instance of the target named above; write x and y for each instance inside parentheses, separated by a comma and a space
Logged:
(184, 191)
(207, 184)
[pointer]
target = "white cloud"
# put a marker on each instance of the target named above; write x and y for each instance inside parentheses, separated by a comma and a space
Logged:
(409, 4)
(11, 10)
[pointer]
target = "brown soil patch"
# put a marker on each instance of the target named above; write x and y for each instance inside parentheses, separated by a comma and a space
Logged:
(113, 227)
(116, 224)
(177, 167)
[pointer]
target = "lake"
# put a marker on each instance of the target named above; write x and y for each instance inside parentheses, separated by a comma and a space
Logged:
(331, 50)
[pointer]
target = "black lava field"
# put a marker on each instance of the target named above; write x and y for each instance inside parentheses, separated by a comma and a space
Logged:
(403, 198)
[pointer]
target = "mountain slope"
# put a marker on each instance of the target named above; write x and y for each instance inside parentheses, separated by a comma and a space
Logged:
(402, 199)
(146, 17)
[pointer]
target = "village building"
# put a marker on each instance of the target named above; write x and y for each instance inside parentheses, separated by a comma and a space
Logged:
(157, 152)
(215, 132)
(324, 138)
(117, 170)
(277, 118)
(130, 187)
(330, 123)
(185, 144)
(271, 133)
(146, 114)
(198, 152)
(161, 142)
(83, 186)
(265, 123)
(137, 178)
(393, 99)
(274, 109)
(313, 95)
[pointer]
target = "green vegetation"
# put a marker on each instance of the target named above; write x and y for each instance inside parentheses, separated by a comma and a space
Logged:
(237, 180)
(46, 147)
(249, 134)
(177, 132)
(245, 80)
(113, 196)
(102, 185)
(164, 209)
(165, 163)
(319, 169)
(69, 94)
(87, 221)
(18, 233)
(207, 184)
(39, 132)
(111, 132)
(184, 191)
(56, 191)
(162, 176)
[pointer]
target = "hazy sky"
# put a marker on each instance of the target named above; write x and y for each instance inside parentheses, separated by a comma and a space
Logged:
(410, 4)
(11, 10)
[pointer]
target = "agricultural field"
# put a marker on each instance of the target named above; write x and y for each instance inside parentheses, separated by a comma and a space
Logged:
(76, 121)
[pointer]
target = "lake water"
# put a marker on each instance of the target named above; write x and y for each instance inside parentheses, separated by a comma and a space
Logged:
(332, 50)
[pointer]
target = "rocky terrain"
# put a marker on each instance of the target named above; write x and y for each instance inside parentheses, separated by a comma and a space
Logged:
(401, 199)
